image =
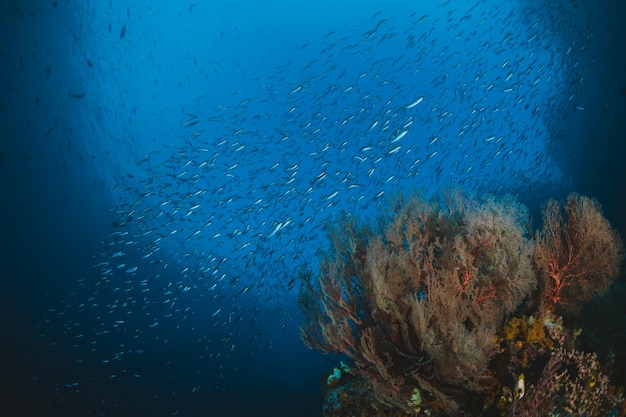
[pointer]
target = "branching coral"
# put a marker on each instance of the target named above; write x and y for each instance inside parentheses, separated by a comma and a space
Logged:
(577, 253)
(430, 299)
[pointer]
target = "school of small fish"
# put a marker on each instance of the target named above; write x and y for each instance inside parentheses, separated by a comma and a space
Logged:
(206, 242)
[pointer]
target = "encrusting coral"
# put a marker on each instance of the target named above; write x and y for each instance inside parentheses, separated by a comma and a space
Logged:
(449, 307)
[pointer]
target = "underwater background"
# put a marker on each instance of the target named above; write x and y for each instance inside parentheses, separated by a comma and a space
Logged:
(166, 169)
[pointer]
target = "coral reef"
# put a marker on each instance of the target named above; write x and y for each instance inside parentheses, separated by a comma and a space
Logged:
(449, 307)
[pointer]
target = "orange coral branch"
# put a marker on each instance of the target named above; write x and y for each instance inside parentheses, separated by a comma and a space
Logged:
(466, 280)
(487, 295)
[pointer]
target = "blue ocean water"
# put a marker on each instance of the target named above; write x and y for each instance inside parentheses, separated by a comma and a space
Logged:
(167, 167)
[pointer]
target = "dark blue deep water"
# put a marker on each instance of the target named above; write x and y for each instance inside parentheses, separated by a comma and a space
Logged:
(166, 166)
